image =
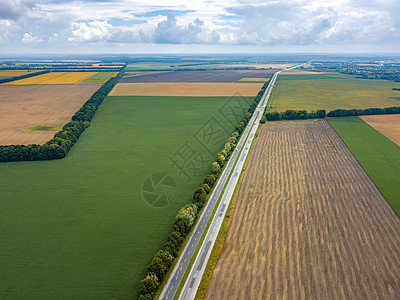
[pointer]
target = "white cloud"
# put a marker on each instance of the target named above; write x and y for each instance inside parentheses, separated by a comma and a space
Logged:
(169, 32)
(165, 32)
(30, 38)
(5, 25)
(202, 22)
(302, 23)
(96, 31)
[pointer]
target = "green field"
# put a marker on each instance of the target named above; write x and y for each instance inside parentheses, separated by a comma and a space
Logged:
(51, 128)
(100, 77)
(139, 67)
(329, 92)
(378, 155)
(78, 228)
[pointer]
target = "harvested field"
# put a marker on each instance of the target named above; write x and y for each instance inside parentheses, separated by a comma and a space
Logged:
(27, 106)
(199, 76)
(54, 78)
(186, 89)
(388, 125)
(308, 224)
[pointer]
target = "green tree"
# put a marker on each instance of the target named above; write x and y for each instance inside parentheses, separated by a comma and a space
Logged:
(215, 168)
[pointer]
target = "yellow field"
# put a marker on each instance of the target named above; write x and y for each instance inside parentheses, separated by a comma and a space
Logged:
(54, 78)
(186, 89)
(13, 73)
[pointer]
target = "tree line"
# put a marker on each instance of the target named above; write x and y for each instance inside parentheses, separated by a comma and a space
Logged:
(62, 142)
(187, 215)
(303, 114)
(360, 112)
(292, 115)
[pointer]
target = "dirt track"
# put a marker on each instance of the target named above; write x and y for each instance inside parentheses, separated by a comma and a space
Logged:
(308, 224)
(31, 105)
(389, 125)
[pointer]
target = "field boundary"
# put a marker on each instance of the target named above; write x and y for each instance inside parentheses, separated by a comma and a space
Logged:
(150, 285)
(371, 157)
(220, 241)
(61, 144)
(203, 236)
(15, 78)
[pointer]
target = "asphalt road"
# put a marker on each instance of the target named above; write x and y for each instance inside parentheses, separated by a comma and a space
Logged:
(192, 282)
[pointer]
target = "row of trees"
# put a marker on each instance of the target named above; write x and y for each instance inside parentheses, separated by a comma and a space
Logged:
(292, 115)
(187, 215)
(31, 74)
(59, 146)
(303, 114)
(360, 112)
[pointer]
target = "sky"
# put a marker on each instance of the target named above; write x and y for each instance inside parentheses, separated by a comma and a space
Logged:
(199, 26)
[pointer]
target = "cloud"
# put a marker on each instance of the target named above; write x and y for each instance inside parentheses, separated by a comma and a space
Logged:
(30, 38)
(233, 23)
(169, 32)
(14, 9)
(96, 31)
(102, 31)
(5, 25)
(166, 32)
(311, 22)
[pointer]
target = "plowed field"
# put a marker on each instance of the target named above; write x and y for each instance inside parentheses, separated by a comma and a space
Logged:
(308, 224)
(31, 105)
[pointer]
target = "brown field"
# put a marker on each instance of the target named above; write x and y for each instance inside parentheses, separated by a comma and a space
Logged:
(26, 106)
(186, 89)
(388, 125)
(308, 223)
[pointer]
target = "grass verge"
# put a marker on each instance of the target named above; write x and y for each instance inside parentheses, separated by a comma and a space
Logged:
(219, 243)
(188, 269)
